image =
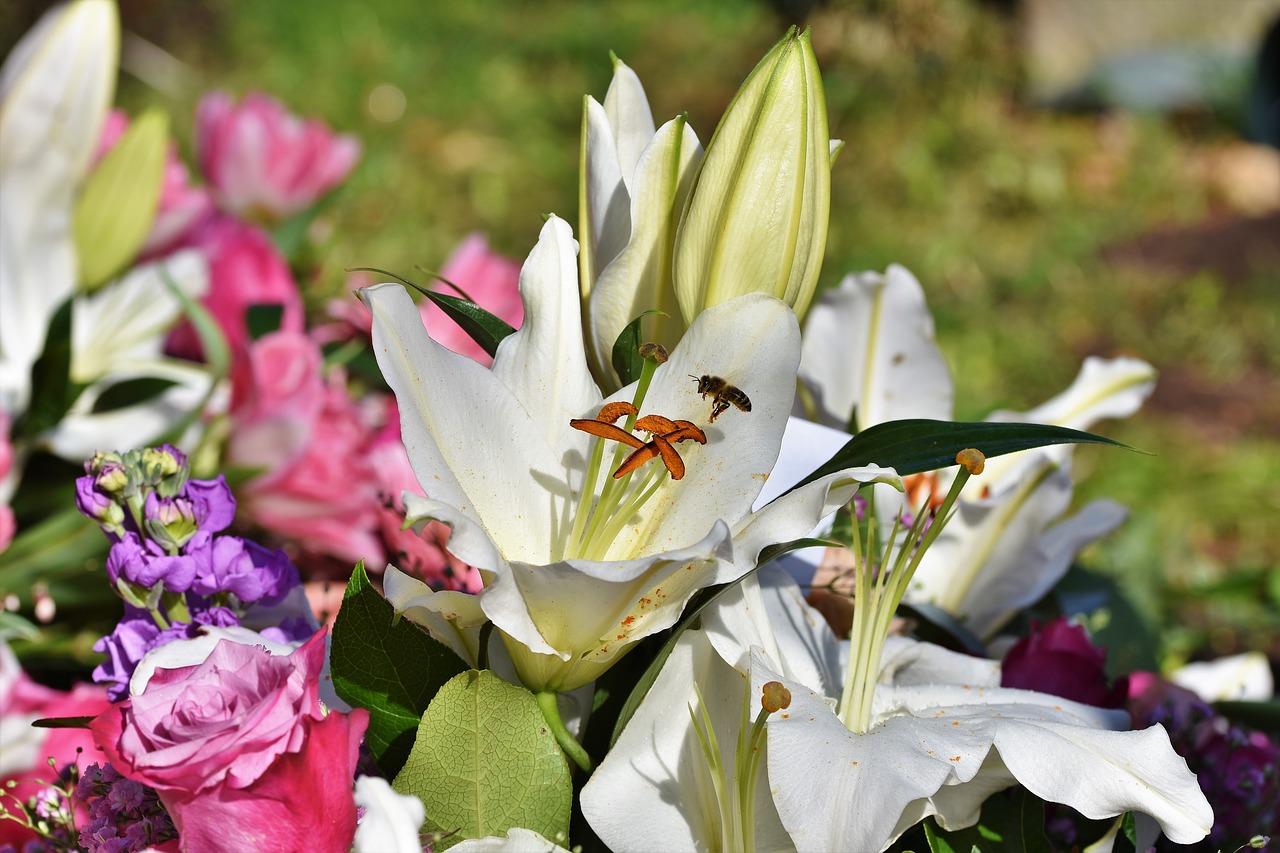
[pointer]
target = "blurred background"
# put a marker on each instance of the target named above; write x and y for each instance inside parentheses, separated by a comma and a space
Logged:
(1065, 177)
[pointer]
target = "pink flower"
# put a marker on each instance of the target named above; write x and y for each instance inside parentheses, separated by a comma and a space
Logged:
(245, 269)
(1060, 659)
(25, 751)
(263, 161)
(490, 279)
(182, 205)
(318, 485)
(422, 555)
(241, 752)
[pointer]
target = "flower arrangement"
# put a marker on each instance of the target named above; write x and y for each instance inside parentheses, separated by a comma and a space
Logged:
(656, 545)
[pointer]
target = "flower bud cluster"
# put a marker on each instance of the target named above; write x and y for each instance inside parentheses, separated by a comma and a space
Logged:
(124, 815)
(170, 560)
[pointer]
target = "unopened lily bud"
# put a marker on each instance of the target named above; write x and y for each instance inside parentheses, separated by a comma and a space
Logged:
(756, 219)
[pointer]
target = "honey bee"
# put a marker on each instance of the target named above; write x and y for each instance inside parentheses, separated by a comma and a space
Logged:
(724, 395)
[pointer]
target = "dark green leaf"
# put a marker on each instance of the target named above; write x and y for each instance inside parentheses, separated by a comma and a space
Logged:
(131, 392)
(913, 446)
(626, 350)
(1258, 715)
(937, 626)
(484, 328)
(391, 667)
(1012, 822)
(263, 319)
(708, 595)
(52, 391)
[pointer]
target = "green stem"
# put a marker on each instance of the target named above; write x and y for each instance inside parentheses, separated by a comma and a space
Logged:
(551, 713)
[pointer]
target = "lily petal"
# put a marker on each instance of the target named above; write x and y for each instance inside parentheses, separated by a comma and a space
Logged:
(55, 89)
(605, 219)
(869, 346)
(630, 119)
(639, 277)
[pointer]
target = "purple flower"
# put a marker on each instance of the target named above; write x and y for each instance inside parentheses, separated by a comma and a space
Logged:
(243, 568)
(215, 506)
(134, 636)
(144, 562)
(95, 503)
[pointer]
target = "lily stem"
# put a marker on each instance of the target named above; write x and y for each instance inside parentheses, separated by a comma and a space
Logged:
(551, 713)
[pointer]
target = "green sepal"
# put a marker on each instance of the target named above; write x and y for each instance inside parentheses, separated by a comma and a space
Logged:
(487, 330)
(118, 204)
(391, 667)
(484, 761)
(626, 358)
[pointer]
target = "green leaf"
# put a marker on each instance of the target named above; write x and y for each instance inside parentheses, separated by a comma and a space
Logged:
(262, 320)
(1127, 838)
(119, 201)
(626, 350)
(1012, 822)
(131, 392)
(389, 666)
(485, 761)
(62, 552)
(52, 391)
(913, 446)
(1258, 715)
(484, 328)
(707, 596)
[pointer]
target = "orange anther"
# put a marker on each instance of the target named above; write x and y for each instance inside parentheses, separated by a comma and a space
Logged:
(611, 412)
(604, 430)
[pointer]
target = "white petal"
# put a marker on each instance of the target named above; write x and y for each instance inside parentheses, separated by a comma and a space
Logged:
(451, 617)
(390, 822)
(1244, 677)
(129, 318)
(591, 611)
(653, 790)
(1102, 774)
(630, 119)
(768, 610)
(81, 431)
(639, 278)
(470, 441)
(55, 89)
(605, 222)
(869, 344)
(753, 342)
(517, 840)
(543, 364)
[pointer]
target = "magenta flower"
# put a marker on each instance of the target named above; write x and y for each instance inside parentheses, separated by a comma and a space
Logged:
(240, 750)
(1059, 658)
(263, 161)
(245, 269)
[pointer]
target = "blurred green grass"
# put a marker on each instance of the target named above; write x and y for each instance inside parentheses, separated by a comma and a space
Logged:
(1000, 210)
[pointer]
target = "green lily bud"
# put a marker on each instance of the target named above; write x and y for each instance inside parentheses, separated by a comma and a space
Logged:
(118, 204)
(756, 219)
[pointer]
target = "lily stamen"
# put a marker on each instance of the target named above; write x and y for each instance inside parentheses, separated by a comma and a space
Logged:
(663, 434)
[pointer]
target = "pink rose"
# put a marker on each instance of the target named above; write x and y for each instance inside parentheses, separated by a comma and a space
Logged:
(240, 751)
(182, 205)
(25, 751)
(1060, 659)
(318, 485)
(245, 269)
(263, 161)
(490, 279)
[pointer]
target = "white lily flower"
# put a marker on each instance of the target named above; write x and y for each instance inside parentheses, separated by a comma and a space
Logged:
(634, 185)
(869, 355)
(57, 87)
(575, 573)
(390, 822)
(942, 737)
(516, 840)
(1243, 677)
